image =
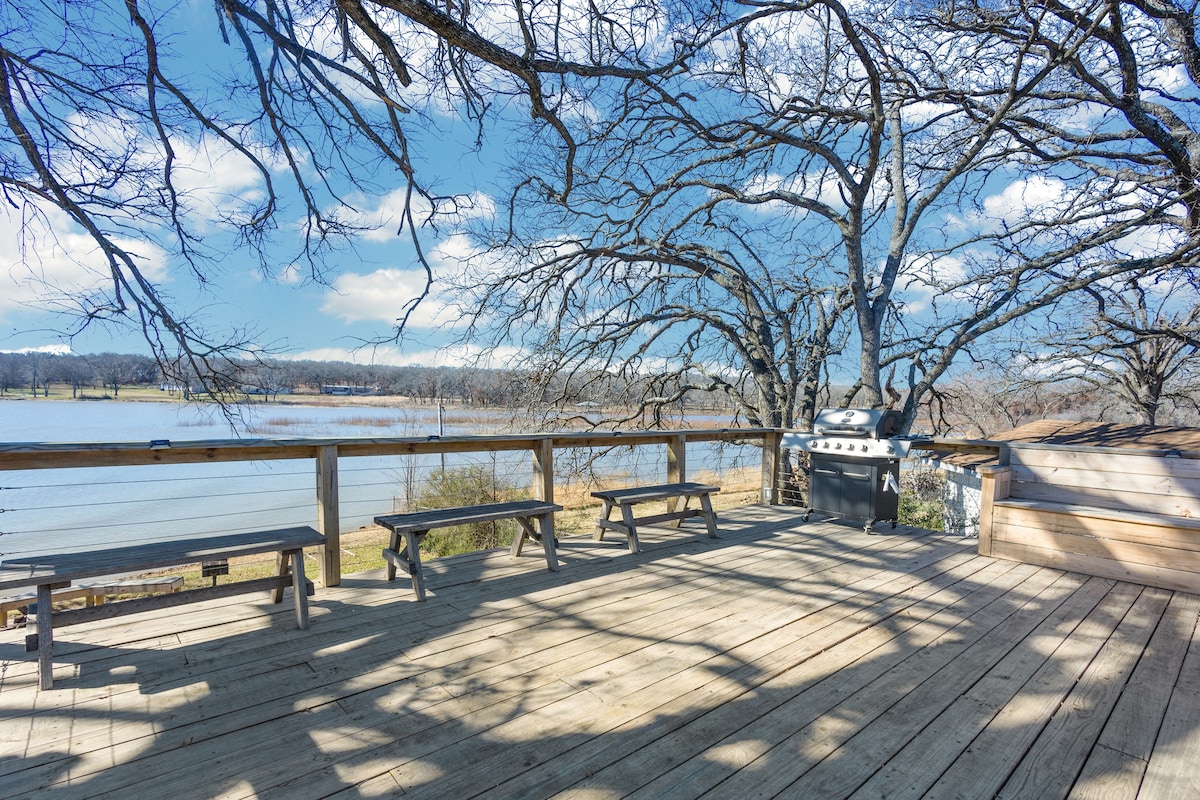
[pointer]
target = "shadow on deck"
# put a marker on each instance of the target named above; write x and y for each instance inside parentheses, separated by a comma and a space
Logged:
(783, 660)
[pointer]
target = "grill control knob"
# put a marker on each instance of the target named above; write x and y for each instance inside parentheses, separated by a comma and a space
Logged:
(837, 446)
(865, 448)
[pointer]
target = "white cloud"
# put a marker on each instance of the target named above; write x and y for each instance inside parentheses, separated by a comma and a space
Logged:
(382, 217)
(212, 181)
(821, 188)
(217, 182)
(1173, 79)
(52, 349)
(382, 296)
(1024, 199)
(291, 275)
(927, 275)
(45, 259)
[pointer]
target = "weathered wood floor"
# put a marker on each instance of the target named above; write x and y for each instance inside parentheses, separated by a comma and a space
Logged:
(783, 660)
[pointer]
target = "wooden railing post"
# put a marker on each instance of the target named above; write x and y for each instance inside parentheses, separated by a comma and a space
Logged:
(327, 515)
(677, 458)
(770, 467)
(994, 485)
(543, 470)
(676, 465)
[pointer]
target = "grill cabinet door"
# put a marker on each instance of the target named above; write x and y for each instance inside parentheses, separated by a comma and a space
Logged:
(858, 489)
(887, 501)
(824, 485)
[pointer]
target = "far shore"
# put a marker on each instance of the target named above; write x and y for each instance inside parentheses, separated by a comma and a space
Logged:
(141, 394)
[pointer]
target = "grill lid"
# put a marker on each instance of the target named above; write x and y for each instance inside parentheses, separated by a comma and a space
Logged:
(871, 423)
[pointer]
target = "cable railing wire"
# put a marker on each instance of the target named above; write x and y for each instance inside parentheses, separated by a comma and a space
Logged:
(160, 521)
(133, 482)
(174, 499)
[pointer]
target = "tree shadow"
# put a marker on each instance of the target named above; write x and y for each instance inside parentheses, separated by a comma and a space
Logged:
(783, 659)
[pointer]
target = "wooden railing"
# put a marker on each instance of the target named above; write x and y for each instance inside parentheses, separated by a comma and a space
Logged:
(327, 453)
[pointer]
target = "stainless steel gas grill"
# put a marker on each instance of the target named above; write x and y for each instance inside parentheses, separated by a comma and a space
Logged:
(855, 463)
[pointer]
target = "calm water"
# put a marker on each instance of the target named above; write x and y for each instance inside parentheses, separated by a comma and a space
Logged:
(100, 421)
(74, 509)
(57, 510)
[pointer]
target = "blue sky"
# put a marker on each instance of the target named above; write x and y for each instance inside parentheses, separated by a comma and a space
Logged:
(372, 276)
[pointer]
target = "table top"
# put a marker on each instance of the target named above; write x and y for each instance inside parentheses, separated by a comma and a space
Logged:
(465, 515)
(661, 491)
(61, 567)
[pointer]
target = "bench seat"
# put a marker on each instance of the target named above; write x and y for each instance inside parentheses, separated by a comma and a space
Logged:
(1128, 545)
(535, 518)
(57, 571)
(626, 499)
(95, 593)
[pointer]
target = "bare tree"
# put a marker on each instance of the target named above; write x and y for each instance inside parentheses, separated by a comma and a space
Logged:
(1135, 340)
(116, 370)
(786, 197)
(724, 196)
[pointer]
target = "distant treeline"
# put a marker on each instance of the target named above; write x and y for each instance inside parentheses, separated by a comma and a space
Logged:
(33, 374)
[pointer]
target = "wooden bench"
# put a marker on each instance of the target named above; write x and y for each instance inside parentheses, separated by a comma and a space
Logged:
(626, 499)
(95, 593)
(1122, 513)
(57, 571)
(534, 517)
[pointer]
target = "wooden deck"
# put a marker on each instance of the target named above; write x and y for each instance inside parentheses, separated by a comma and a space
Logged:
(782, 660)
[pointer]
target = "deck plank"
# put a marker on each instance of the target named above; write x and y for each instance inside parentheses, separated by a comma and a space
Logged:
(1062, 657)
(687, 741)
(440, 748)
(1050, 767)
(785, 659)
(1171, 773)
(837, 711)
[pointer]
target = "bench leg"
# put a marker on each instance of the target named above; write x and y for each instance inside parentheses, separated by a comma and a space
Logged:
(546, 528)
(394, 546)
(543, 532)
(413, 547)
(45, 634)
(630, 527)
(523, 529)
(299, 589)
(605, 512)
(673, 506)
(710, 519)
(407, 558)
(281, 569)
